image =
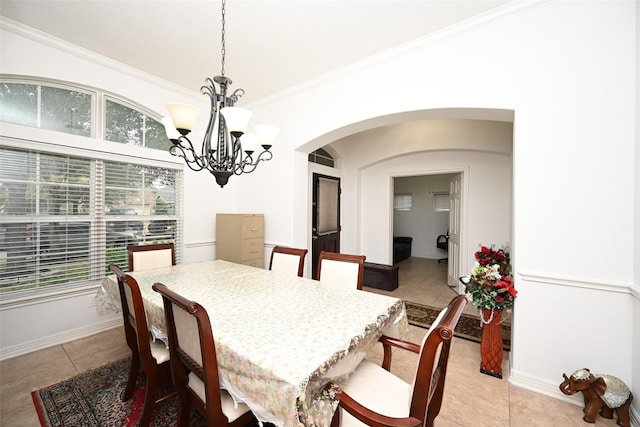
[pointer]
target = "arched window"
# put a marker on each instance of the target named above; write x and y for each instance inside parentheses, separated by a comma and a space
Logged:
(60, 108)
(322, 157)
(65, 108)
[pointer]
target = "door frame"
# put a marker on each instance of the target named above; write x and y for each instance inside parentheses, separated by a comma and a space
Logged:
(320, 242)
(462, 249)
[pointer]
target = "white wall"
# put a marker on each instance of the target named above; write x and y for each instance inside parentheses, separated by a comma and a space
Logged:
(566, 69)
(479, 149)
(486, 220)
(36, 324)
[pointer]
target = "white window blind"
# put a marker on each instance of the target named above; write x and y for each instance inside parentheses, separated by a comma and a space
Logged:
(329, 192)
(63, 219)
(403, 201)
(441, 202)
(46, 220)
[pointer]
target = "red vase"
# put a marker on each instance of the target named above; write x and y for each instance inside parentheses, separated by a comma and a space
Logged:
(491, 343)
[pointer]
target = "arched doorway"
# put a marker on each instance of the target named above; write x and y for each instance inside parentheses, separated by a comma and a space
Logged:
(369, 159)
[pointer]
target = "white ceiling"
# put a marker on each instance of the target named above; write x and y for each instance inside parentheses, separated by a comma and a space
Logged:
(271, 44)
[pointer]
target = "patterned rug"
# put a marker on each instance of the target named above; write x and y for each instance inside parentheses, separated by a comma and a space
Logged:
(93, 399)
(468, 326)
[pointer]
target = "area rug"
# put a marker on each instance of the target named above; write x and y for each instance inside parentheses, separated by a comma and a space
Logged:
(93, 399)
(468, 326)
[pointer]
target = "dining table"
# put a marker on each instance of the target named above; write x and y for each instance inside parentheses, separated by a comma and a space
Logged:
(285, 345)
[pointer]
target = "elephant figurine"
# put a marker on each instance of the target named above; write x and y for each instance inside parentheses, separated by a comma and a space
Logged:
(604, 393)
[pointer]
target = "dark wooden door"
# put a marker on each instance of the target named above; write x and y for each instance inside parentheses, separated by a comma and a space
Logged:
(326, 217)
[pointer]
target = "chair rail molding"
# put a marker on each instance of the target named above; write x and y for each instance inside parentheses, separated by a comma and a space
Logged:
(581, 282)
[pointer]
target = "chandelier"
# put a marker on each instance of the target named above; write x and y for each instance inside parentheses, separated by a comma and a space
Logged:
(227, 149)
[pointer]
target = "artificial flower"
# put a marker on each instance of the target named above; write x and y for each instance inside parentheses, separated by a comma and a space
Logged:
(490, 284)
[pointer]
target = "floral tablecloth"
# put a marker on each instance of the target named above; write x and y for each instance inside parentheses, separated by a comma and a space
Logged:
(285, 344)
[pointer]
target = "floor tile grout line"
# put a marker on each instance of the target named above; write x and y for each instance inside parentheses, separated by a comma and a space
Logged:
(64, 348)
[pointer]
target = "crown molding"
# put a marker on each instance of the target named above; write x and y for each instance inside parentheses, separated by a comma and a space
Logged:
(46, 39)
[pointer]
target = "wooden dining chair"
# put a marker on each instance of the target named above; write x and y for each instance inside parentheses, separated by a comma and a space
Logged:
(341, 269)
(287, 260)
(146, 354)
(374, 396)
(145, 257)
(194, 366)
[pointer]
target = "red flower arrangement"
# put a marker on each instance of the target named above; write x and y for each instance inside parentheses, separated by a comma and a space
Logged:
(490, 284)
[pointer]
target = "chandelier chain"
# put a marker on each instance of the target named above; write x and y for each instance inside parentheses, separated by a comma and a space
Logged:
(223, 50)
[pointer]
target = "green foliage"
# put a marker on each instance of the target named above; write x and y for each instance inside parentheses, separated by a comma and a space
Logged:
(116, 255)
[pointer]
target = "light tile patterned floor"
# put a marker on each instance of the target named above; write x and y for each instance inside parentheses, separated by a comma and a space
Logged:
(471, 399)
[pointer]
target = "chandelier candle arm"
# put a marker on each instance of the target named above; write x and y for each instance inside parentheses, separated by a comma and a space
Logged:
(227, 148)
(188, 154)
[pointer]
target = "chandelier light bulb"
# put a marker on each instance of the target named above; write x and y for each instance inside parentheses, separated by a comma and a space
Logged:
(236, 119)
(266, 135)
(249, 142)
(183, 116)
(170, 129)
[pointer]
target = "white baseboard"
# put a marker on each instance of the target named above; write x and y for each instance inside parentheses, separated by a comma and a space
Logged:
(543, 387)
(548, 389)
(62, 338)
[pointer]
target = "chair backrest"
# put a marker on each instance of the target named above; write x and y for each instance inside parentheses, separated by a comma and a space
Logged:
(442, 241)
(135, 319)
(429, 381)
(287, 260)
(145, 257)
(341, 269)
(193, 351)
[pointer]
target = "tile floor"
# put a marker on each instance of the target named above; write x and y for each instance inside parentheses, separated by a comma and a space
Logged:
(471, 399)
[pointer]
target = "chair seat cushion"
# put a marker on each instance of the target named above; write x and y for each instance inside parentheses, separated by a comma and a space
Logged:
(379, 390)
(230, 409)
(159, 351)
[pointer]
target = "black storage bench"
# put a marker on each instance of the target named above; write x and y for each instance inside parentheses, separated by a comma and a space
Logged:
(380, 276)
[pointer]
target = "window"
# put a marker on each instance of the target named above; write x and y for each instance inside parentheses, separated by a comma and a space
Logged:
(64, 219)
(47, 107)
(403, 201)
(328, 205)
(322, 157)
(44, 220)
(149, 195)
(441, 202)
(65, 215)
(68, 109)
(127, 125)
